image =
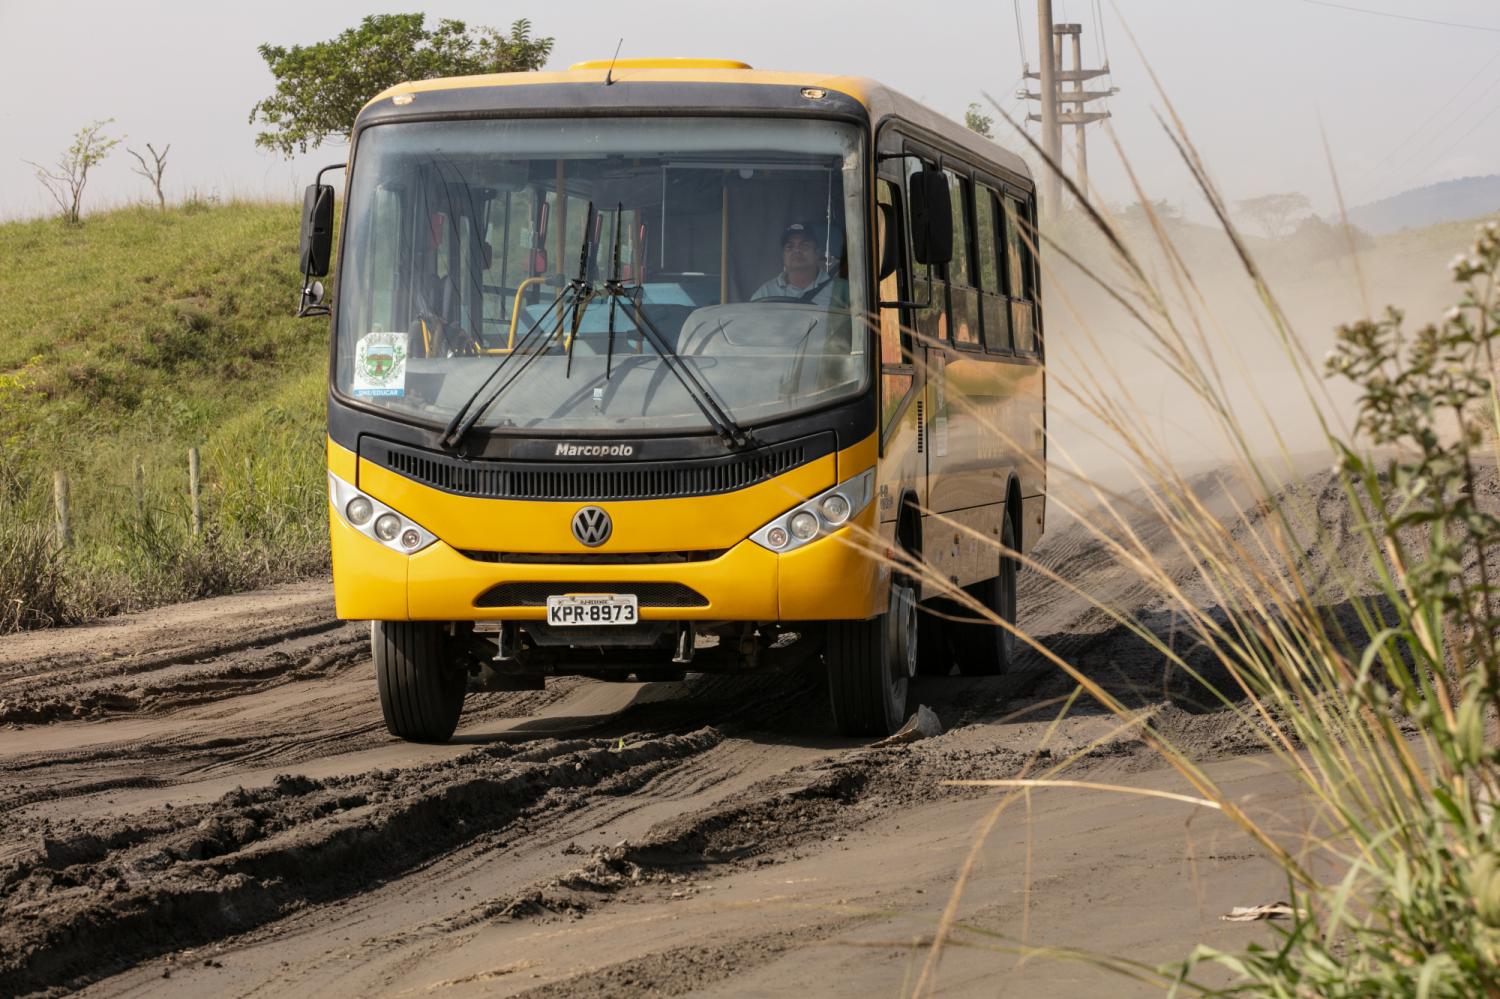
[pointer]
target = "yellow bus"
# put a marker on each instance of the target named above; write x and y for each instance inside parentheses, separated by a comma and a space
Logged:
(647, 367)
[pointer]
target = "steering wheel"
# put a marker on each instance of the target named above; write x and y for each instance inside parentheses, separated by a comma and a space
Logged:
(777, 298)
(438, 326)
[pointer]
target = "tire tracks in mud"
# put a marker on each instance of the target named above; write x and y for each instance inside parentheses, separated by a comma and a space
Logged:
(682, 970)
(306, 851)
(771, 819)
(94, 897)
(153, 683)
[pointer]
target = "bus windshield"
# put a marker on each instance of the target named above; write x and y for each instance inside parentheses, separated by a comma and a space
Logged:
(739, 242)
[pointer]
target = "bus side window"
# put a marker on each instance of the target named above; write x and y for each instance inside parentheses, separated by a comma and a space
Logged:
(961, 290)
(896, 372)
(994, 305)
(1019, 274)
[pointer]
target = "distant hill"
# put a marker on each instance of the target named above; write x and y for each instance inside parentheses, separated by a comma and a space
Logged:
(1450, 201)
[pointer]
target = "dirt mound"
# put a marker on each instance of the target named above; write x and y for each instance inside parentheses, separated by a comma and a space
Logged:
(92, 896)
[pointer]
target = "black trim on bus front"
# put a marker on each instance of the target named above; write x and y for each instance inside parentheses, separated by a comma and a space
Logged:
(560, 480)
(851, 421)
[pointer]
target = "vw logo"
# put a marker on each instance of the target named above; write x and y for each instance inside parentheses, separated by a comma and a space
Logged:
(591, 526)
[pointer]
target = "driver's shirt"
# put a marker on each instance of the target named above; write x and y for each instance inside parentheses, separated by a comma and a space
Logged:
(820, 292)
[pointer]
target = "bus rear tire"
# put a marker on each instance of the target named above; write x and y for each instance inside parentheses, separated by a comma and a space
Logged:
(935, 652)
(984, 648)
(421, 694)
(870, 664)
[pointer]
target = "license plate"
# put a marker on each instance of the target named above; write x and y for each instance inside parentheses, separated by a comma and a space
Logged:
(575, 609)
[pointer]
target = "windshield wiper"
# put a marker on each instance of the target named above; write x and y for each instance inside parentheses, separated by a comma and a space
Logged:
(723, 424)
(582, 291)
(469, 414)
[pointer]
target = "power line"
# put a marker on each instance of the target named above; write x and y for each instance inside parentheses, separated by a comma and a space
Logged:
(1438, 114)
(1015, 5)
(1098, 32)
(1402, 17)
(1456, 143)
(1101, 45)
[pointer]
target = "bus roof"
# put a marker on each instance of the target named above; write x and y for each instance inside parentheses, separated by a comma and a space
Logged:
(495, 92)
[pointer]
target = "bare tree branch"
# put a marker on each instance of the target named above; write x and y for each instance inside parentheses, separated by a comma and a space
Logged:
(153, 171)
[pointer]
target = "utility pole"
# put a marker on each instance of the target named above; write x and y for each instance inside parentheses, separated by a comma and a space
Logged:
(1052, 96)
(1051, 130)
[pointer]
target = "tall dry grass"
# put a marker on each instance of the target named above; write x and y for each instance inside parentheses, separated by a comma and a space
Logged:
(1368, 665)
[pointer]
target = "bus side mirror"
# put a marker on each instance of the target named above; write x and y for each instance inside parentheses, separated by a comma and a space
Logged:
(317, 230)
(931, 217)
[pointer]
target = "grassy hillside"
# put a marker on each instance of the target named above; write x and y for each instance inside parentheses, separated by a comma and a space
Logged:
(128, 340)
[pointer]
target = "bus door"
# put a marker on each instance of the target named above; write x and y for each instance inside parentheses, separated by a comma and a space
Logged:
(902, 410)
(929, 320)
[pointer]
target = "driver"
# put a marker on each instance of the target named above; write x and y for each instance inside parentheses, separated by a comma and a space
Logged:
(802, 276)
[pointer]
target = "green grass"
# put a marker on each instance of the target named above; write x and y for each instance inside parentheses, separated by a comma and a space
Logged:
(129, 339)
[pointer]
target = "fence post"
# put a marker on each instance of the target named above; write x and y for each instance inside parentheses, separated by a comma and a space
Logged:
(193, 491)
(138, 492)
(60, 503)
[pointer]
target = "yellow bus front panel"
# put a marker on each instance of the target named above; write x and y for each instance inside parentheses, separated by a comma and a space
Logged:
(835, 578)
(369, 579)
(832, 577)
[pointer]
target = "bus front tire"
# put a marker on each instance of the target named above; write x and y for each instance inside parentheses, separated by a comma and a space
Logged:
(985, 648)
(421, 694)
(870, 664)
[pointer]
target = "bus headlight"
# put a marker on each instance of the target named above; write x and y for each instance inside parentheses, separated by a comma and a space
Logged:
(803, 525)
(359, 510)
(820, 515)
(375, 520)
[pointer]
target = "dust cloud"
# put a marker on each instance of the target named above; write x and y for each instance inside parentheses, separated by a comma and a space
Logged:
(1274, 387)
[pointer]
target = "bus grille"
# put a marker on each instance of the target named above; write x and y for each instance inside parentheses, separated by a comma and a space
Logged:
(536, 594)
(535, 480)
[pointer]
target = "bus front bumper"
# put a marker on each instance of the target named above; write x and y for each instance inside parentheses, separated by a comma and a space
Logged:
(832, 578)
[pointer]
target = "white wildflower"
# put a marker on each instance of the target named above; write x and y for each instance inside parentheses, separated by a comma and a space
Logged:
(1453, 315)
(1458, 262)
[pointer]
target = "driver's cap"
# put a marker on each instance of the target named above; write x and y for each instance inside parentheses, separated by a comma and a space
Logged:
(803, 229)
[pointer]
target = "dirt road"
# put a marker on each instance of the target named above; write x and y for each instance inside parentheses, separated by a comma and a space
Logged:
(203, 798)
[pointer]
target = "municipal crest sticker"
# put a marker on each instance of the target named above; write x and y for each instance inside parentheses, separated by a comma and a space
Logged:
(380, 364)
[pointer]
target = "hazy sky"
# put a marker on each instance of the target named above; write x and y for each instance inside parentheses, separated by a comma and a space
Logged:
(1404, 102)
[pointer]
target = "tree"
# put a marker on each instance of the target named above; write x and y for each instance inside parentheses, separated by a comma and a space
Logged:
(976, 121)
(1274, 213)
(321, 87)
(1315, 239)
(90, 146)
(1136, 214)
(152, 171)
